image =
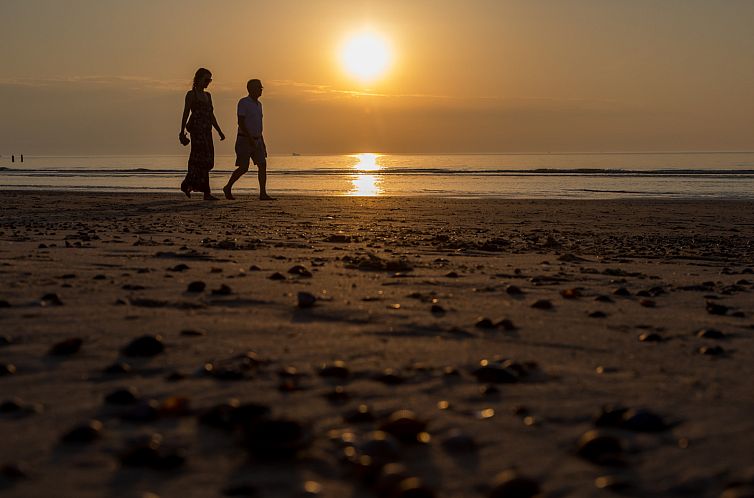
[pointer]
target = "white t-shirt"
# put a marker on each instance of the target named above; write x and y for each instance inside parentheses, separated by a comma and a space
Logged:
(251, 111)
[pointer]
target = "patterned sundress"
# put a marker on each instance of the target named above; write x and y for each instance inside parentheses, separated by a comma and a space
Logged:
(202, 157)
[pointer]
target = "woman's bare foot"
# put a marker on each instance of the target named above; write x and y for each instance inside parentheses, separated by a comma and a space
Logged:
(228, 194)
(187, 192)
(210, 197)
(265, 197)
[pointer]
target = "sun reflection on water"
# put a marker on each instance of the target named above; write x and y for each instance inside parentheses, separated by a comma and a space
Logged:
(363, 184)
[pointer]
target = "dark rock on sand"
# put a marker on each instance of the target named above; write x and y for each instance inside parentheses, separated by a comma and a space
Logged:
(711, 334)
(13, 471)
(7, 369)
(117, 368)
(404, 426)
(716, 309)
(711, 351)
(85, 433)
(597, 314)
(193, 333)
(542, 304)
(148, 451)
(358, 415)
(223, 290)
(66, 347)
(301, 271)
(642, 420)
(5, 340)
(490, 373)
(244, 490)
(336, 369)
(484, 323)
(196, 287)
(458, 441)
(124, 396)
(51, 299)
(650, 337)
(514, 290)
(510, 484)
(306, 300)
(380, 447)
(233, 414)
(390, 377)
(276, 438)
(4, 303)
(436, 309)
(600, 447)
(277, 276)
(146, 345)
(622, 291)
(412, 487)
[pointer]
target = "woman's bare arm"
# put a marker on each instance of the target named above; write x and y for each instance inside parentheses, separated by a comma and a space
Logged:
(214, 120)
(186, 109)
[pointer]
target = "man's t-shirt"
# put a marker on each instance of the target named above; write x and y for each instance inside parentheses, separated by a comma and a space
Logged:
(251, 111)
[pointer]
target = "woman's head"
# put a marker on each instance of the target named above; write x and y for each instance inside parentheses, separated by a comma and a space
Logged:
(202, 78)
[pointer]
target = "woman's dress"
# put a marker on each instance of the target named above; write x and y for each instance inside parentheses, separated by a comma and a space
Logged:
(202, 157)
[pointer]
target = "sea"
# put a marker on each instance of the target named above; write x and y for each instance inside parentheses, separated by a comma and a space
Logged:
(676, 175)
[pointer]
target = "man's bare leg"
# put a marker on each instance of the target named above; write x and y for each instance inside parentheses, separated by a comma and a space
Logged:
(238, 173)
(262, 175)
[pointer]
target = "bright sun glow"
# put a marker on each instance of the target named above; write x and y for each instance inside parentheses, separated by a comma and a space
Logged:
(366, 56)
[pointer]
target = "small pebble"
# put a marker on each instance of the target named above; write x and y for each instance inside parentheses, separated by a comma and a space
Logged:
(306, 299)
(597, 314)
(622, 291)
(542, 304)
(458, 441)
(193, 333)
(711, 334)
(117, 368)
(716, 309)
(358, 415)
(337, 369)
(600, 447)
(124, 396)
(86, 433)
(51, 299)
(711, 350)
(66, 347)
(279, 437)
(570, 293)
(146, 345)
(277, 276)
(484, 323)
(223, 290)
(514, 290)
(301, 271)
(650, 337)
(196, 287)
(404, 426)
(7, 369)
(510, 484)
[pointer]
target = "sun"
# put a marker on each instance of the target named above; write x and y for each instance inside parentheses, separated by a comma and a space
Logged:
(366, 56)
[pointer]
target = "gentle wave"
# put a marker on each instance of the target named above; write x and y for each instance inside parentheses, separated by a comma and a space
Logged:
(602, 172)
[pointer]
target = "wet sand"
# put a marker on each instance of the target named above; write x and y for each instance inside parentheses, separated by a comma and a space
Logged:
(509, 328)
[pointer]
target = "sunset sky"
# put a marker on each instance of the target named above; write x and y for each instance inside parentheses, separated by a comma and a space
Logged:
(109, 76)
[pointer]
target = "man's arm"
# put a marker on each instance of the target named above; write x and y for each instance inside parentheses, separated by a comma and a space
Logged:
(242, 127)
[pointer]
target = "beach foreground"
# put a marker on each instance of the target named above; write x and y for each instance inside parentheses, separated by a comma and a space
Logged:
(590, 306)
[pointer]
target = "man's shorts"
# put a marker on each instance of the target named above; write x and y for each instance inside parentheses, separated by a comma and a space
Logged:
(245, 154)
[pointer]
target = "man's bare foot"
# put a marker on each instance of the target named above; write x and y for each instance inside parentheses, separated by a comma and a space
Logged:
(265, 197)
(187, 192)
(210, 197)
(228, 194)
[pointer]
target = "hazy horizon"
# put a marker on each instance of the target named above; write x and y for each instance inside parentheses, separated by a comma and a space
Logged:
(92, 78)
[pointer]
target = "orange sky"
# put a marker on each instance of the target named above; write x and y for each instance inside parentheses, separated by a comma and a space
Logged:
(100, 76)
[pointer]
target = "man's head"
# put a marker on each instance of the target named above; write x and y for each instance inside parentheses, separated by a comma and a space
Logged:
(255, 88)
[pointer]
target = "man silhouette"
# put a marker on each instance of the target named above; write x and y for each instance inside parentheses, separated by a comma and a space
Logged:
(249, 142)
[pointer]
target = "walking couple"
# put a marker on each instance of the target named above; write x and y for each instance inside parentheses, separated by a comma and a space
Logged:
(199, 119)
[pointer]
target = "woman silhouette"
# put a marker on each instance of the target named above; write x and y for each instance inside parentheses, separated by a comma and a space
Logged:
(199, 125)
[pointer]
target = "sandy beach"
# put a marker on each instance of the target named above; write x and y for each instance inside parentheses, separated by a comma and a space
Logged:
(375, 347)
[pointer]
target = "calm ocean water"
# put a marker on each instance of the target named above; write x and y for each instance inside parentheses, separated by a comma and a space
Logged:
(665, 175)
